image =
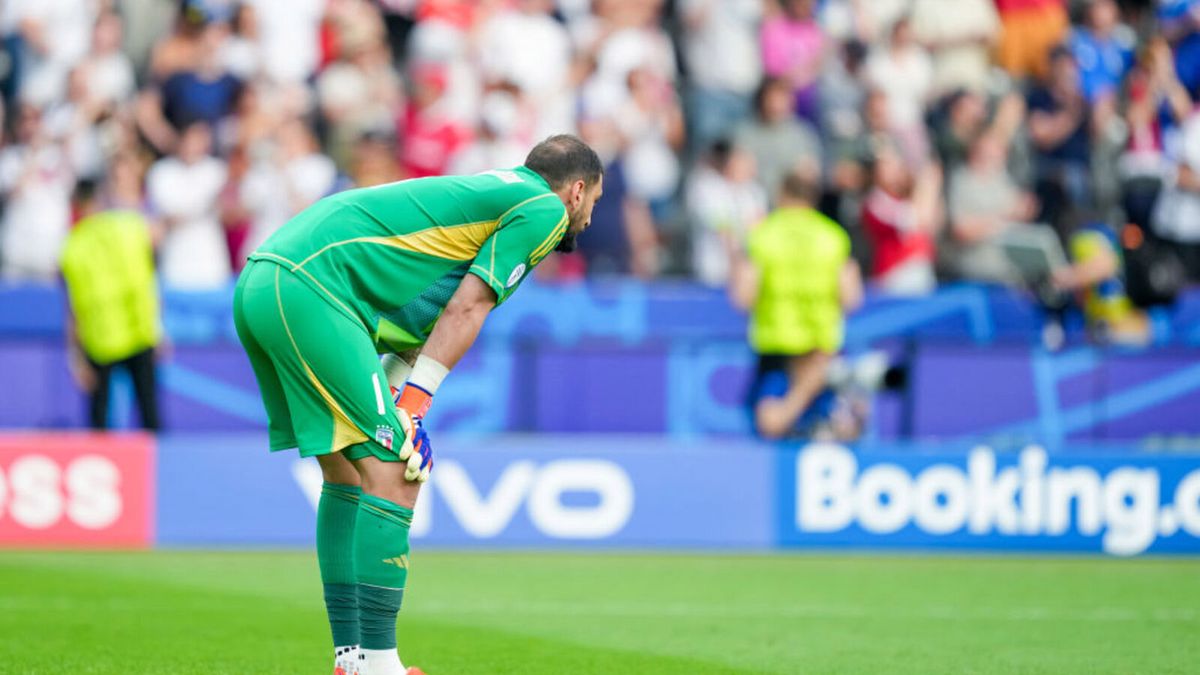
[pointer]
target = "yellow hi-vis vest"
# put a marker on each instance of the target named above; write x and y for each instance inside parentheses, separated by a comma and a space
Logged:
(799, 255)
(108, 264)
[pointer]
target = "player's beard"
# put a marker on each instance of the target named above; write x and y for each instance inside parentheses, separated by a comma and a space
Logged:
(566, 244)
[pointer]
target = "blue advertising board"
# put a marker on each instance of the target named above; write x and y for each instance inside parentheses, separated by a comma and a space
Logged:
(541, 491)
(591, 491)
(1119, 503)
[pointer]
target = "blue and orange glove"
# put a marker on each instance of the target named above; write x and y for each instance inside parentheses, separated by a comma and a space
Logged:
(413, 403)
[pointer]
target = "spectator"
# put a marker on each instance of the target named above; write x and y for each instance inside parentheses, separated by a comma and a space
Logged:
(877, 132)
(984, 204)
(903, 72)
(374, 161)
(959, 36)
(36, 180)
(963, 121)
(1096, 275)
(622, 239)
(183, 189)
(793, 47)
(724, 202)
(110, 77)
(243, 52)
(964, 118)
(843, 98)
(237, 219)
(902, 215)
(1178, 23)
(1144, 164)
(429, 134)
(650, 124)
(284, 182)
(540, 68)
(55, 36)
(202, 90)
(1176, 218)
(1102, 53)
(75, 122)
(287, 34)
(122, 191)
(494, 144)
(1030, 28)
(720, 45)
(182, 49)
(252, 123)
(798, 281)
(1059, 126)
(108, 265)
(357, 94)
(778, 141)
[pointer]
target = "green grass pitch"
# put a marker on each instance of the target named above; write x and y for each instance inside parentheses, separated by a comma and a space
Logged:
(558, 614)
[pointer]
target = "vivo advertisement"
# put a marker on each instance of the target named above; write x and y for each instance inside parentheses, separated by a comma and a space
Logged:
(509, 491)
(80, 490)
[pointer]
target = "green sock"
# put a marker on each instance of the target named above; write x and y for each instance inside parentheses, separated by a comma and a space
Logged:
(336, 514)
(381, 554)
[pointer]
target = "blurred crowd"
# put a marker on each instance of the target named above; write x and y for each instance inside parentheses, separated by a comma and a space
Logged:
(952, 139)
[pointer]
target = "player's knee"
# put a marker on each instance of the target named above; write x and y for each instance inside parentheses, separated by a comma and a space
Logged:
(386, 480)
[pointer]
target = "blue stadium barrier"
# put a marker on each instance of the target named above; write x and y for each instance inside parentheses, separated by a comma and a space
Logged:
(560, 359)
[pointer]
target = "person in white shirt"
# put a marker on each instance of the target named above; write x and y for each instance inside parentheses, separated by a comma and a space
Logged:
(36, 181)
(289, 37)
(724, 201)
(525, 46)
(720, 44)
(494, 145)
(57, 36)
(903, 71)
(109, 71)
(183, 189)
(290, 177)
(959, 36)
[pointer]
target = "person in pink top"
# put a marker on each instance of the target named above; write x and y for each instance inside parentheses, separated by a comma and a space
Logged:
(792, 48)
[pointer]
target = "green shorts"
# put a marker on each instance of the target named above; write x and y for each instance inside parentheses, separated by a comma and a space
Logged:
(320, 377)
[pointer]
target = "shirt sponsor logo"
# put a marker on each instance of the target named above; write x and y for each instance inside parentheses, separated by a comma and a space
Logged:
(516, 275)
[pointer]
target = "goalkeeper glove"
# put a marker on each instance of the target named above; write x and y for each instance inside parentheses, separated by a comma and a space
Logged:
(412, 404)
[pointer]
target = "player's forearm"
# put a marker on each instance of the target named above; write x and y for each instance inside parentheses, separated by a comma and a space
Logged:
(453, 335)
(460, 323)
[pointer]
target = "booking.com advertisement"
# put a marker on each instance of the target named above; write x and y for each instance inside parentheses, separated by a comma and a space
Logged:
(571, 491)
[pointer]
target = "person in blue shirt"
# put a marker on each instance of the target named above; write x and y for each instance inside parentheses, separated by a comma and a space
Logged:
(1101, 53)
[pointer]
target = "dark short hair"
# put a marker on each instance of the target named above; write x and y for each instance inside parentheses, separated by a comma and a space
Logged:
(801, 185)
(85, 191)
(764, 87)
(563, 159)
(720, 152)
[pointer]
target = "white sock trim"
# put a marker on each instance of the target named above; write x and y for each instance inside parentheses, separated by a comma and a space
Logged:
(378, 658)
(428, 374)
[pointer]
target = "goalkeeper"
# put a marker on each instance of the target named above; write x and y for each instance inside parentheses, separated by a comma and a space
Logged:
(409, 270)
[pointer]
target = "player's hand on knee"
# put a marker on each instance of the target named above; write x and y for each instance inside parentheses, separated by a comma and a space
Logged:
(416, 451)
(420, 453)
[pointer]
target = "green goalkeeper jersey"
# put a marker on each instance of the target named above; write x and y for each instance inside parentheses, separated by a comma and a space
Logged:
(391, 256)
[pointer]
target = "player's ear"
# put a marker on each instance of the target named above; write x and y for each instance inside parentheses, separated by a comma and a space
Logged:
(578, 190)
